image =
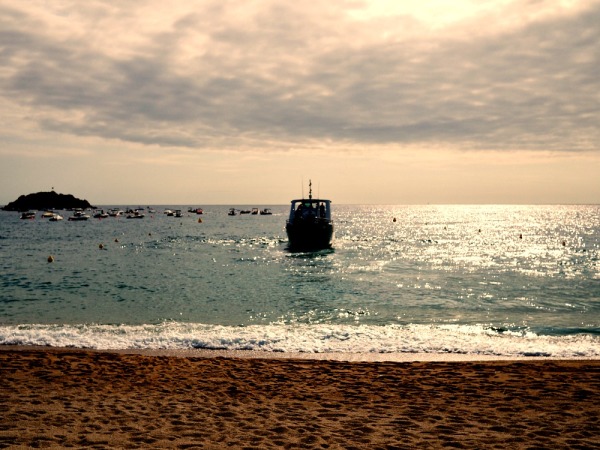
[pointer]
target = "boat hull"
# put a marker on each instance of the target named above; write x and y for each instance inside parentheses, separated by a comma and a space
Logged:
(314, 235)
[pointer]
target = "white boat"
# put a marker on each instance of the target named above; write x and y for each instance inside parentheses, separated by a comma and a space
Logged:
(79, 215)
(55, 218)
(100, 214)
(136, 215)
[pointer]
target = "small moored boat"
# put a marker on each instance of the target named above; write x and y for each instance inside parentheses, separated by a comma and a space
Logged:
(79, 215)
(28, 215)
(136, 215)
(100, 214)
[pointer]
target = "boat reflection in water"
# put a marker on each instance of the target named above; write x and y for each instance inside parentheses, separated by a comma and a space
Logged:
(309, 226)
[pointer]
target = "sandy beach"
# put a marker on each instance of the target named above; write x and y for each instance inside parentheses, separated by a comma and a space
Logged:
(74, 398)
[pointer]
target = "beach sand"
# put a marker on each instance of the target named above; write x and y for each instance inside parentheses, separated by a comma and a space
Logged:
(74, 398)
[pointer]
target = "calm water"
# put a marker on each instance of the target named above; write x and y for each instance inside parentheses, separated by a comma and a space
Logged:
(499, 280)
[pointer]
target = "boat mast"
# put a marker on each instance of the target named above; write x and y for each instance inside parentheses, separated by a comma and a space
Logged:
(310, 189)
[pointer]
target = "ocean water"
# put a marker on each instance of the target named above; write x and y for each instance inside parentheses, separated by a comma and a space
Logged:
(473, 280)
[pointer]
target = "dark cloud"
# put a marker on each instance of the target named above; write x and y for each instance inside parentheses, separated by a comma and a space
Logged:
(283, 78)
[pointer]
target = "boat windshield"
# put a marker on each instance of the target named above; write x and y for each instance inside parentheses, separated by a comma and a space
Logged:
(310, 209)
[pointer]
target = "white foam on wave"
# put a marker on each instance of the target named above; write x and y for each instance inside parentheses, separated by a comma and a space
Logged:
(432, 339)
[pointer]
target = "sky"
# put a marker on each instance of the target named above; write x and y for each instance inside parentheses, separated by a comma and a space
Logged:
(242, 102)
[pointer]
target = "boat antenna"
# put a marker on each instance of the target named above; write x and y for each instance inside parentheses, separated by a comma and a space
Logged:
(310, 189)
(302, 187)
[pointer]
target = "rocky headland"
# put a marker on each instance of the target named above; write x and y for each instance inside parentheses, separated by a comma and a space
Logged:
(46, 201)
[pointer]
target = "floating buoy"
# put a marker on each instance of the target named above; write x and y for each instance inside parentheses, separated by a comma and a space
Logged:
(199, 220)
(520, 236)
(101, 246)
(116, 240)
(50, 258)
(564, 243)
(394, 219)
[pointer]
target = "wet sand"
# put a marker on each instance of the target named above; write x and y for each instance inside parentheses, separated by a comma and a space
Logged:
(75, 398)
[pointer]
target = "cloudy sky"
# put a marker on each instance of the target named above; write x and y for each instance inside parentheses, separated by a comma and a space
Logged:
(241, 102)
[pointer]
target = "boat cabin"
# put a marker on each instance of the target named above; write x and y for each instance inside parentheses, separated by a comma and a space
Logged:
(310, 210)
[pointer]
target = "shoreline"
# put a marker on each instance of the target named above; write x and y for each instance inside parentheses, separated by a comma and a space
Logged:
(339, 356)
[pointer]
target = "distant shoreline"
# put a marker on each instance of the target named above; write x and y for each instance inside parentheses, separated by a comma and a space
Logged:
(286, 205)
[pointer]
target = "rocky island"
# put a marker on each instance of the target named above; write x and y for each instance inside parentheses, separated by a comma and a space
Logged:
(46, 201)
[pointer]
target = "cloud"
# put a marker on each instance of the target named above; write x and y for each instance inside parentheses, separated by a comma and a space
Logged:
(282, 74)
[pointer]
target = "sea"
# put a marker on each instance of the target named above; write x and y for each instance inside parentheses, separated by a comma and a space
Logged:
(475, 280)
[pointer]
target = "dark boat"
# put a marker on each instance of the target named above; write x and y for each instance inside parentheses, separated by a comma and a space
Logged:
(309, 226)
(137, 214)
(28, 215)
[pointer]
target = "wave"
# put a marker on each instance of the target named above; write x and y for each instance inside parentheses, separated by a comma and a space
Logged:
(349, 339)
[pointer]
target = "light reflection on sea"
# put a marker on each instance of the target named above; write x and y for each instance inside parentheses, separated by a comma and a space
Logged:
(519, 269)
